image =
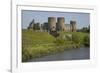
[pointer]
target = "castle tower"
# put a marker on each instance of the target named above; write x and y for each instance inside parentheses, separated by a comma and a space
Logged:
(73, 26)
(52, 23)
(61, 24)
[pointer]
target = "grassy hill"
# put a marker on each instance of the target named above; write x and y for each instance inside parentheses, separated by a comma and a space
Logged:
(36, 44)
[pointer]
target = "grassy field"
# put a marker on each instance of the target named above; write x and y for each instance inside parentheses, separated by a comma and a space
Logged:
(36, 44)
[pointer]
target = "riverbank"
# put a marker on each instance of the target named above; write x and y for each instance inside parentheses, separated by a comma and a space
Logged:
(82, 53)
(36, 44)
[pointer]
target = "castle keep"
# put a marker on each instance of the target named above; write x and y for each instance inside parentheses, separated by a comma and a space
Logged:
(54, 24)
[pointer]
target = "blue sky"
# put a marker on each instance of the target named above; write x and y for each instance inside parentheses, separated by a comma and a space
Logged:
(82, 19)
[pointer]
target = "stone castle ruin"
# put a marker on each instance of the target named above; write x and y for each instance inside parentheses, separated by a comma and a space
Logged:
(52, 25)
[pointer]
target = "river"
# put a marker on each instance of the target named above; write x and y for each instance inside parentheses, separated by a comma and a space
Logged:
(72, 54)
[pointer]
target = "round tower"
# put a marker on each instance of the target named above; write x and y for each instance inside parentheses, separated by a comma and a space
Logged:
(52, 23)
(73, 26)
(61, 23)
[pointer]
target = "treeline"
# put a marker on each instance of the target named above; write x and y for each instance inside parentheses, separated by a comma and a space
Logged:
(84, 29)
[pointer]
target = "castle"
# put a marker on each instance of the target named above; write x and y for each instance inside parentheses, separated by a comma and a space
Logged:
(52, 25)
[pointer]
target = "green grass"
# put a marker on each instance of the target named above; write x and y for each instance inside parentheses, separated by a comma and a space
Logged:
(36, 44)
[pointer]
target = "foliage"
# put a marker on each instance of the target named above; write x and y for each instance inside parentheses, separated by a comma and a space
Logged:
(87, 40)
(85, 29)
(76, 38)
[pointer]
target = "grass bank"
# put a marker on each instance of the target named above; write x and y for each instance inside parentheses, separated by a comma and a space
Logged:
(36, 44)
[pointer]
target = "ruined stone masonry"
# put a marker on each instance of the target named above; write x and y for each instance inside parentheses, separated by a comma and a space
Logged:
(54, 24)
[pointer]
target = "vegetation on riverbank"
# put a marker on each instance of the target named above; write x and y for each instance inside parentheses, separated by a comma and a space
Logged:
(36, 44)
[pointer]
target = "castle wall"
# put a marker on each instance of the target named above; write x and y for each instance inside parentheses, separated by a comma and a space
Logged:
(67, 27)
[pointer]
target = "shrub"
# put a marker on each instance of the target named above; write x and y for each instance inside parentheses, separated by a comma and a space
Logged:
(68, 37)
(76, 38)
(60, 41)
(25, 55)
(86, 40)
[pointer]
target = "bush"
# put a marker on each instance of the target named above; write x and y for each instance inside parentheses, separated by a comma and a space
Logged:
(25, 55)
(76, 38)
(59, 41)
(69, 37)
(86, 40)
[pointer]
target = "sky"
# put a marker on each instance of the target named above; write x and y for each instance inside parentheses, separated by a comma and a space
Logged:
(82, 19)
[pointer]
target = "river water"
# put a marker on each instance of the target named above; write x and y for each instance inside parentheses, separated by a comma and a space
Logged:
(72, 54)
